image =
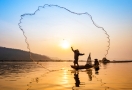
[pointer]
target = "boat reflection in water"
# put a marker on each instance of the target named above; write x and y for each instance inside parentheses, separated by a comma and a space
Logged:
(89, 72)
(76, 77)
(96, 69)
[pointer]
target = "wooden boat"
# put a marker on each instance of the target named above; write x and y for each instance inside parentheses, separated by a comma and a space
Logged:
(82, 66)
(87, 65)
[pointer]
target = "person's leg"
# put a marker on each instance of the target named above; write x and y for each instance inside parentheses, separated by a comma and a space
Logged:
(77, 62)
(74, 63)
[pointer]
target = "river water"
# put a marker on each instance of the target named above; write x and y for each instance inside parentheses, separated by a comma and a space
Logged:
(60, 76)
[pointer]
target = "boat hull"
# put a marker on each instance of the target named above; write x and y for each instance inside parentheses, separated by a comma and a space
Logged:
(81, 66)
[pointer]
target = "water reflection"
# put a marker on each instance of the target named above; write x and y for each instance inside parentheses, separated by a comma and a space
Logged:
(96, 69)
(16, 67)
(89, 72)
(37, 79)
(76, 77)
(105, 65)
(29, 76)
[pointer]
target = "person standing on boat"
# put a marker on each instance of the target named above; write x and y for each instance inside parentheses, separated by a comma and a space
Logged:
(76, 56)
(96, 62)
(96, 66)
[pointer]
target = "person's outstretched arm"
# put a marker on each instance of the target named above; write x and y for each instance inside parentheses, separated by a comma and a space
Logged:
(81, 53)
(72, 49)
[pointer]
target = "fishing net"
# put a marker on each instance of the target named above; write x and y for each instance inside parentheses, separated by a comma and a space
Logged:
(49, 24)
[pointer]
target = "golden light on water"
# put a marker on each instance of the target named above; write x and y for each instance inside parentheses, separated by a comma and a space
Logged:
(65, 77)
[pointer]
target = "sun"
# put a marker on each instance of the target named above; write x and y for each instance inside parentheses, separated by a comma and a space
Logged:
(65, 44)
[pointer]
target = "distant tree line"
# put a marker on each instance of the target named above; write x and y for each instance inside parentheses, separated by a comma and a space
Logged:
(19, 55)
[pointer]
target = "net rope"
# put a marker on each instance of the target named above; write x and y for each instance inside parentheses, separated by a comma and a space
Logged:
(51, 5)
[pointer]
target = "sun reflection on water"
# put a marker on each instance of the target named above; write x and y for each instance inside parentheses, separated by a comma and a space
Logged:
(32, 77)
(65, 77)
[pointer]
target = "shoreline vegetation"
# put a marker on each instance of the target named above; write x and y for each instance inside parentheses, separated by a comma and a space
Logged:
(11, 54)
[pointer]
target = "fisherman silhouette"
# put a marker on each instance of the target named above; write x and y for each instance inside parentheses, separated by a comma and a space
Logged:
(76, 56)
(96, 62)
(96, 66)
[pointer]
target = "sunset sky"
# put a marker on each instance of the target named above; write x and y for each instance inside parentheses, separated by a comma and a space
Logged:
(50, 27)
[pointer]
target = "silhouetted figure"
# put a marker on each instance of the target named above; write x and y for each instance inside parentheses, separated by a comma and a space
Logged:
(96, 66)
(76, 56)
(76, 79)
(96, 62)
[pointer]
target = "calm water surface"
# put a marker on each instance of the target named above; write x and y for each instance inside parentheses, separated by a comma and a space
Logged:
(31, 76)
